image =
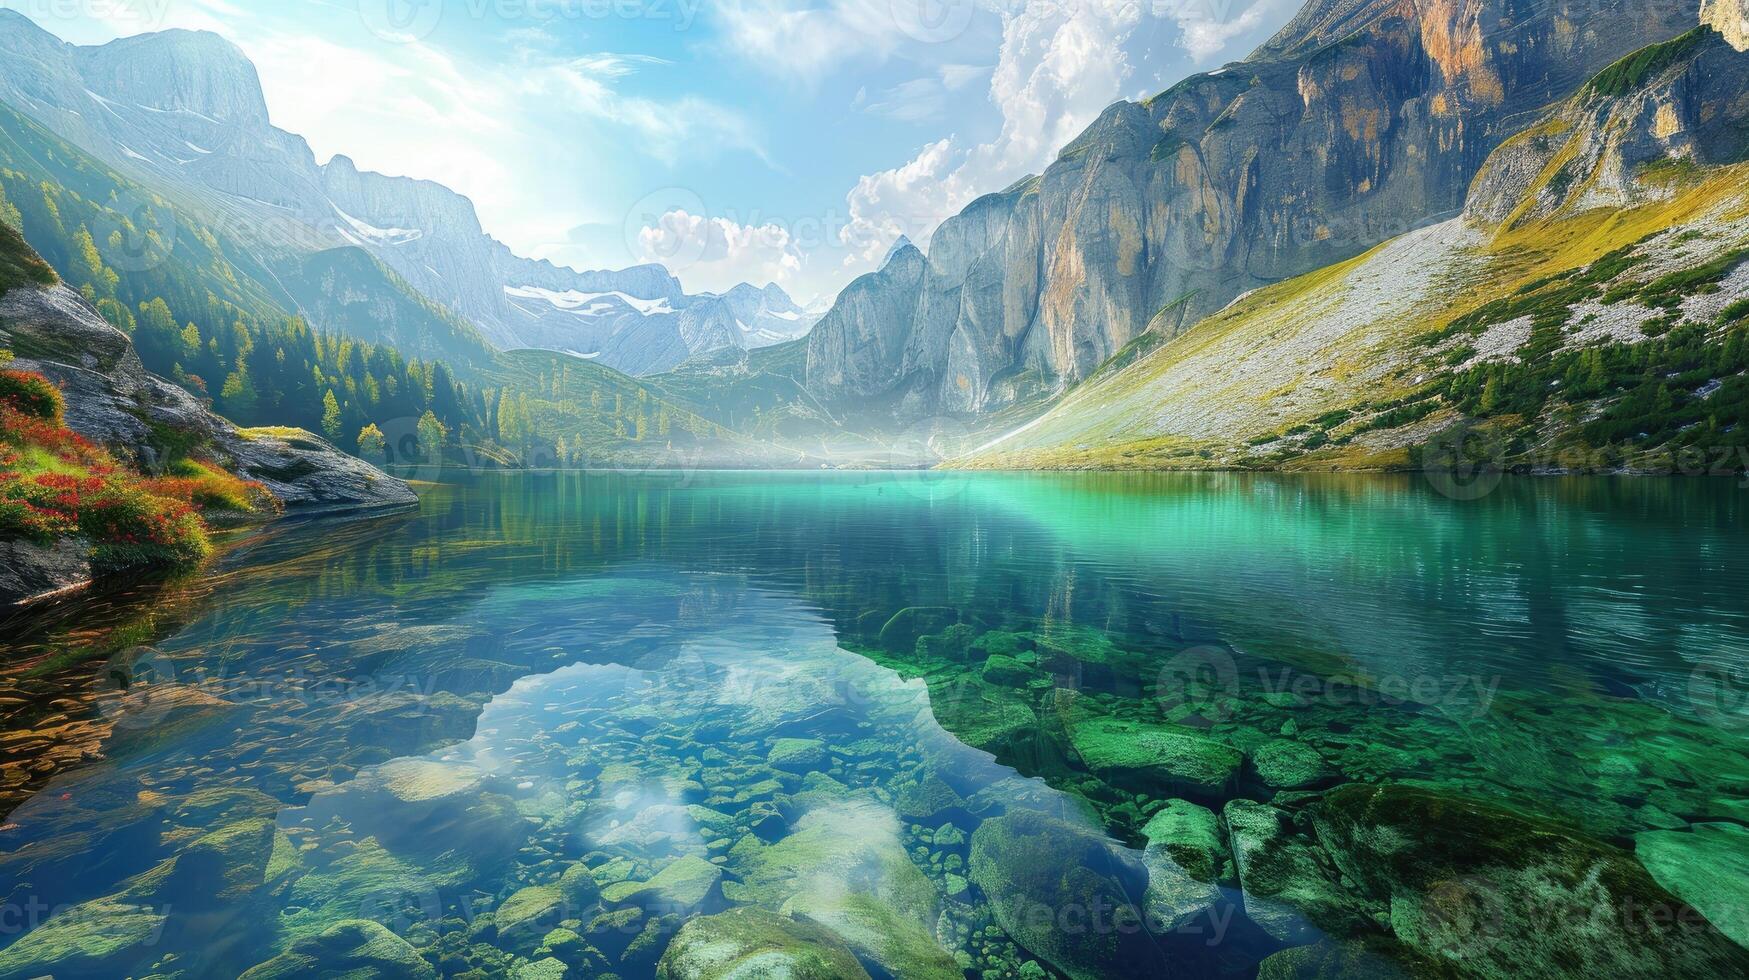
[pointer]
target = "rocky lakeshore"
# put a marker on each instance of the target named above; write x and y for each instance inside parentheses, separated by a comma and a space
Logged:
(147, 422)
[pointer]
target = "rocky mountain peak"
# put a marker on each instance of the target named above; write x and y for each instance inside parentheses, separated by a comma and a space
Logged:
(178, 71)
(1730, 18)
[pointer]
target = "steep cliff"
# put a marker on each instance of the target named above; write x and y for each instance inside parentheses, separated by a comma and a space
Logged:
(1361, 120)
(1590, 311)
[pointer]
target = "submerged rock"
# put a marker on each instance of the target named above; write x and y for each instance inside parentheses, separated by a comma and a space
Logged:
(797, 754)
(1708, 868)
(683, 885)
(104, 938)
(1289, 893)
(750, 943)
(1286, 764)
(1150, 757)
(356, 949)
(1066, 894)
(1492, 890)
(899, 946)
(1185, 861)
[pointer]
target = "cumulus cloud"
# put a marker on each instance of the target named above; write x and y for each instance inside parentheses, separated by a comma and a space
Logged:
(1058, 67)
(716, 253)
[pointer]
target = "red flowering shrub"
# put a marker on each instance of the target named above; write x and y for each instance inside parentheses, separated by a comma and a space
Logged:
(32, 395)
(55, 484)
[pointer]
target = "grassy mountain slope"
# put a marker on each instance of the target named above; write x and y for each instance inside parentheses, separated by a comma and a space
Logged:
(1588, 313)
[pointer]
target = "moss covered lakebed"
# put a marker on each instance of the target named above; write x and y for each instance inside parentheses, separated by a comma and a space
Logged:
(911, 726)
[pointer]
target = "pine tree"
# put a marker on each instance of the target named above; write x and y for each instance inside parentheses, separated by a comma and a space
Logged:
(331, 416)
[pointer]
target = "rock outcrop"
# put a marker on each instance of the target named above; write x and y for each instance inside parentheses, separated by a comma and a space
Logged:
(112, 400)
(1359, 121)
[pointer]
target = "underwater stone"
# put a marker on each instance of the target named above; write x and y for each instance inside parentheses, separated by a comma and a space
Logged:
(100, 938)
(797, 754)
(1707, 867)
(927, 799)
(898, 944)
(527, 916)
(949, 644)
(1289, 893)
(1047, 880)
(907, 626)
(1150, 757)
(1290, 765)
(1453, 872)
(1006, 671)
(356, 948)
(682, 885)
(543, 969)
(1191, 836)
(748, 943)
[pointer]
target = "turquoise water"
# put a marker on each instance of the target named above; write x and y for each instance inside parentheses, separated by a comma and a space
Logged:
(810, 693)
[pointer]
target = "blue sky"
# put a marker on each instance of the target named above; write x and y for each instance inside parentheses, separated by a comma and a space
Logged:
(756, 140)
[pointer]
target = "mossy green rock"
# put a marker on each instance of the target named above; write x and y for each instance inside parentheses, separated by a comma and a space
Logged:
(754, 944)
(1185, 859)
(1456, 875)
(797, 754)
(355, 950)
(95, 939)
(219, 869)
(953, 643)
(1285, 764)
(926, 799)
(578, 891)
(1006, 671)
(527, 916)
(994, 642)
(1707, 867)
(682, 885)
(548, 968)
(1044, 877)
(851, 842)
(1152, 757)
(898, 945)
(1191, 836)
(1290, 892)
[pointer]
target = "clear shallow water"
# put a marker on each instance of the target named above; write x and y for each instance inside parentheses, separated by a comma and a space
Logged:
(809, 692)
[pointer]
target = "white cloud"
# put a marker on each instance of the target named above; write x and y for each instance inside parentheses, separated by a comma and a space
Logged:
(1058, 67)
(716, 253)
(794, 39)
(1208, 26)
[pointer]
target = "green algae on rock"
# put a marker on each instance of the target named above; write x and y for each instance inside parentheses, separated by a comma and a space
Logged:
(1154, 757)
(1707, 867)
(750, 943)
(94, 939)
(1490, 889)
(353, 948)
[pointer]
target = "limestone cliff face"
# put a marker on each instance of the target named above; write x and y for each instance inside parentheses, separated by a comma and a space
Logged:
(1360, 120)
(1674, 106)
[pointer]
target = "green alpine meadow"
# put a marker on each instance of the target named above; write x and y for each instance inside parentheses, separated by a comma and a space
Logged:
(874, 490)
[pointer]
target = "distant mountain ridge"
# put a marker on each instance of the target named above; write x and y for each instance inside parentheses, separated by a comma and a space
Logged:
(186, 109)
